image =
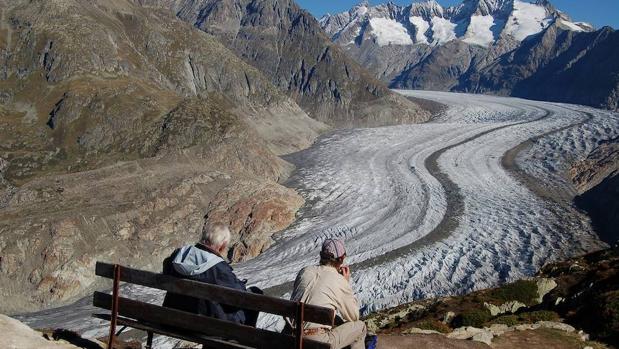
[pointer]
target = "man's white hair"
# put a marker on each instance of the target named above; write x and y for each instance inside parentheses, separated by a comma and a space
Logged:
(216, 235)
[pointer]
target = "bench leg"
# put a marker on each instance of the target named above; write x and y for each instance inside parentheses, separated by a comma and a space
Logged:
(299, 323)
(114, 315)
(149, 340)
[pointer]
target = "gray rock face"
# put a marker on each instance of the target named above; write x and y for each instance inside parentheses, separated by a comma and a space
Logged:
(505, 47)
(288, 46)
(597, 180)
(559, 65)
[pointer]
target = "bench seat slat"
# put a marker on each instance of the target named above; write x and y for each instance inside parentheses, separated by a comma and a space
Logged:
(209, 342)
(145, 312)
(224, 295)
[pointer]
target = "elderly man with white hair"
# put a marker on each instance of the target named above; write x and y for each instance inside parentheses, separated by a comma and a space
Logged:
(204, 262)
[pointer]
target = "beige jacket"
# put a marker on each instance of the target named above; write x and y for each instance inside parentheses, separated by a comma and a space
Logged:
(324, 286)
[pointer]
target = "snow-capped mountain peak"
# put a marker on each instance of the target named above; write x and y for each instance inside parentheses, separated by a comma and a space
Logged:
(426, 9)
(360, 9)
(480, 7)
(476, 22)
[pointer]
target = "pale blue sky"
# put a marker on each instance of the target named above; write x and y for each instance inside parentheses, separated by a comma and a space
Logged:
(597, 12)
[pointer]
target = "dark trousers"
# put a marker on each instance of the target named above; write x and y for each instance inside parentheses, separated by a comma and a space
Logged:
(251, 316)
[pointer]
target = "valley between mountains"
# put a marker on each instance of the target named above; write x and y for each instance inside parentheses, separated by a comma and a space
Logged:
(457, 204)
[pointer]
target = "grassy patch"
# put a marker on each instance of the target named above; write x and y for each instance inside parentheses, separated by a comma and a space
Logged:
(524, 291)
(540, 315)
(433, 325)
(569, 340)
(526, 318)
(475, 318)
(509, 320)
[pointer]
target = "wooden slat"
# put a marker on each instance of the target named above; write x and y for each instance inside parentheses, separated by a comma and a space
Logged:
(209, 342)
(224, 295)
(145, 312)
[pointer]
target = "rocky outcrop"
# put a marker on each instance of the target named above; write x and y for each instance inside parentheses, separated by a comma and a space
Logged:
(600, 164)
(288, 46)
(544, 287)
(510, 307)
(121, 130)
(579, 293)
(587, 295)
(597, 181)
(253, 216)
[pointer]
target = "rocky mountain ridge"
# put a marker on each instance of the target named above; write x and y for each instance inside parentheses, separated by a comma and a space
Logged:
(479, 22)
(505, 47)
(288, 46)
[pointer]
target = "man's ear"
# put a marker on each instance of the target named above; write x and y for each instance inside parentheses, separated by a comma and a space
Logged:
(222, 248)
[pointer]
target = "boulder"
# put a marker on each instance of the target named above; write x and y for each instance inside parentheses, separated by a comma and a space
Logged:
(499, 329)
(484, 337)
(477, 334)
(415, 330)
(448, 317)
(16, 335)
(507, 307)
(544, 286)
(557, 326)
(527, 327)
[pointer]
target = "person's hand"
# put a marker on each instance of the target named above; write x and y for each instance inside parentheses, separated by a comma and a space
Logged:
(345, 271)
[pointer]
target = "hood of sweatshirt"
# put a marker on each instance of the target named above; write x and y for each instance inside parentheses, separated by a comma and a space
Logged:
(190, 261)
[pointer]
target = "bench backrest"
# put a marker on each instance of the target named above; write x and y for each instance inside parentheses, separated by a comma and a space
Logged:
(259, 338)
(223, 295)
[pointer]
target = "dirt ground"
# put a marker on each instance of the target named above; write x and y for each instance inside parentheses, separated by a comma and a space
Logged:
(430, 341)
(537, 339)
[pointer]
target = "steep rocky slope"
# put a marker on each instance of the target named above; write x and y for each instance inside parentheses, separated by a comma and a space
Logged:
(557, 65)
(506, 47)
(121, 131)
(597, 181)
(288, 46)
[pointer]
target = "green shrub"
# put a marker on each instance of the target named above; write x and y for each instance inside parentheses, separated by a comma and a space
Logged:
(509, 320)
(475, 318)
(433, 325)
(530, 317)
(540, 315)
(524, 291)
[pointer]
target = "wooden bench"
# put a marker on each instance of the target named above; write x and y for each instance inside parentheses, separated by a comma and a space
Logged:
(208, 331)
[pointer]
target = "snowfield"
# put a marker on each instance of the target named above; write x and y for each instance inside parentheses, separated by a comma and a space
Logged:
(528, 19)
(389, 32)
(479, 31)
(427, 210)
